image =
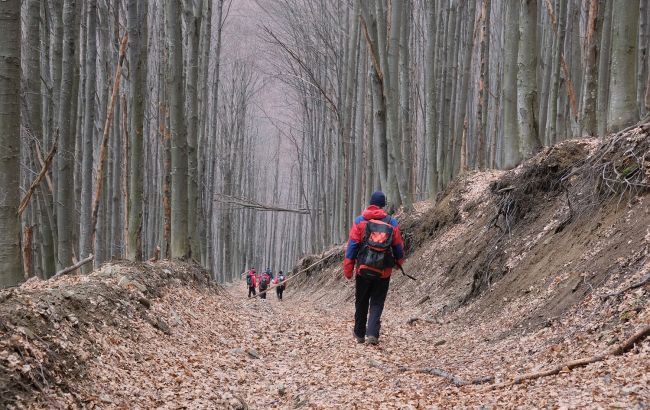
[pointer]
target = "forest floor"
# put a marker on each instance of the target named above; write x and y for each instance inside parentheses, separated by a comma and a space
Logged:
(517, 272)
(218, 349)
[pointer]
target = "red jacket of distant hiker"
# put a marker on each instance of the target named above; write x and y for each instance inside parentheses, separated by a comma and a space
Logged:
(357, 233)
(253, 277)
(265, 278)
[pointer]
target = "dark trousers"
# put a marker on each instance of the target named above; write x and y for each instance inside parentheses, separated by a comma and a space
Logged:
(251, 291)
(262, 289)
(279, 291)
(369, 304)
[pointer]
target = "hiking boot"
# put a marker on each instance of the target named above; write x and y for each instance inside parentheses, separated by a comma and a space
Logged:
(373, 340)
(359, 339)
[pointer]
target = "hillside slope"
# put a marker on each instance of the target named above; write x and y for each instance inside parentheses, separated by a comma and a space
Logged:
(516, 269)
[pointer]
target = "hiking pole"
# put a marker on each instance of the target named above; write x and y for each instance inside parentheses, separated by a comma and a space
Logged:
(406, 274)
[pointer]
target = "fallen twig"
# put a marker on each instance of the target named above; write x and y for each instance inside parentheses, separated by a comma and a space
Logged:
(457, 381)
(644, 281)
(75, 266)
(615, 351)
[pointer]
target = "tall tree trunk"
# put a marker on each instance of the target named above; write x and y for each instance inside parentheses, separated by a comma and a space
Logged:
(65, 205)
(604, 70)
(405, 102)
(527, 79)
(591, 74)
(194, 21)
(430, 95)
(88, 137)
(358, 133)
(511, 152)
(174, 78)
(11, 271)
(34, 100)
(622, 110)
(137, 30)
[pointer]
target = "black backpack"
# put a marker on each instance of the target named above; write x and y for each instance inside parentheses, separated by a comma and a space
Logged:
(376, 253)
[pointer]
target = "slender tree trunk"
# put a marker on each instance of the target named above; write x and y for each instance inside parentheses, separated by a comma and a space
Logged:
(604, 73)
(34, 101)
(430, 96)
(622, 87)
(65, 192)
(88, 137)
(527, 79)
(591, 75)
(511, 152)
(137, 30)
(174, 78)
(359, 126)
(11, 271)
(194, 22)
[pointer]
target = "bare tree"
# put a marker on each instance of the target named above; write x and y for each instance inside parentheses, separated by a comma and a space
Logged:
(10, 40)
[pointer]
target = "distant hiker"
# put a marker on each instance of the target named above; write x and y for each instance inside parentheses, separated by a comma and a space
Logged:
(374, 248)
(265, 281)
(270, 273)
(280, 286)
(251, 281)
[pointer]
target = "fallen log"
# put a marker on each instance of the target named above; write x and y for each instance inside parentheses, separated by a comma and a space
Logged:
(75, 266)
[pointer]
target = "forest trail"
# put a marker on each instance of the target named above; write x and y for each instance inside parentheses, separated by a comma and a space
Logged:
(517, 272)
(221, 350)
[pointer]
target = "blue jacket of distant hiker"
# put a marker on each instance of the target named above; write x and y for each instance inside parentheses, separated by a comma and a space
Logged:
(356, 238)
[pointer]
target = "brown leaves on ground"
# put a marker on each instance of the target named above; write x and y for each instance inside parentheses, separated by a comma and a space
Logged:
(223, 350)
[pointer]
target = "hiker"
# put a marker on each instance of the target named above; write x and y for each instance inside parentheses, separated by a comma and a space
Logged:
(375, 246)
(278, 282)
(265, 281)
(270, 273)
(251, 281)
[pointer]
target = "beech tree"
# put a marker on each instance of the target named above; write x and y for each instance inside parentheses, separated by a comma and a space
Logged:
(160, 131)
(10, 40)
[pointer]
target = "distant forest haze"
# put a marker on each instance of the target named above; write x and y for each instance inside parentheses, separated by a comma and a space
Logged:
(248, 133)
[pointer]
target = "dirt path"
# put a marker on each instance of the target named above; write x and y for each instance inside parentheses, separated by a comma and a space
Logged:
(226, 351)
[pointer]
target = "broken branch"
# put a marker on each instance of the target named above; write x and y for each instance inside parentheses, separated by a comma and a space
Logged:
(249, 203)
(615, 351)
(75, 266)
(45, 166)
(644, 281)
(457, 381)
(99, 180)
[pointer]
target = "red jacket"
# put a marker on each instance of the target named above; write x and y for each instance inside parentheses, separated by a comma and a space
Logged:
(265, 277)
(253, 279)
(356, 237)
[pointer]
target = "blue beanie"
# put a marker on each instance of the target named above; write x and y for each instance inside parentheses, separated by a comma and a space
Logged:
(378, 198)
